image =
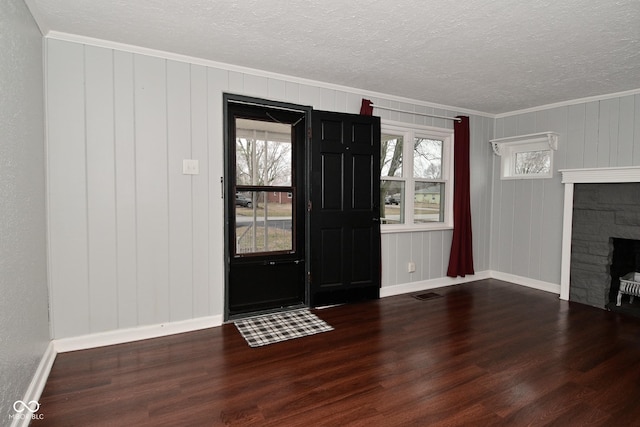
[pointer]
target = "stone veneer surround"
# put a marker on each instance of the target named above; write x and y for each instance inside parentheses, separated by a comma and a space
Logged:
(571, 177)
(600, 212)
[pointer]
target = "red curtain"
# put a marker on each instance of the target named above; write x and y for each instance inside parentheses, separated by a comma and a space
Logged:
(366, 108)
(461, 258)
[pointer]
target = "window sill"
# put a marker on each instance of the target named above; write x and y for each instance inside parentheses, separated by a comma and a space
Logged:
(520, 177)
(393, 229)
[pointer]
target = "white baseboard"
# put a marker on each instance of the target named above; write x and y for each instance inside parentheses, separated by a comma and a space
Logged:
(163, 329)
(405, 288)
(121, 336)
(526, 281)
(34, 391)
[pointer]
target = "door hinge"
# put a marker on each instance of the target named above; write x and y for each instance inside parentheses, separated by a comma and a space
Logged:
(309, 206)
(309, 277)
(309, 133)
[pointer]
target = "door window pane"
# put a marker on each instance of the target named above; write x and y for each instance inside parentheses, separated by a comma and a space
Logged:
(392, 210)
(263, 153)
(429, 202)
(390, 155)
(427, 158)
(263, 222)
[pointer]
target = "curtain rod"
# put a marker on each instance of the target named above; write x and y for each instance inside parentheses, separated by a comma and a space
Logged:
(415, 112)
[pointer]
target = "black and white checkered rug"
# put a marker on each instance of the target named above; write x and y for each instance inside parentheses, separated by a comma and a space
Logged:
(277, 327)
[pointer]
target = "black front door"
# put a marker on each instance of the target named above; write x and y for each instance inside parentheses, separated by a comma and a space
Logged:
(345, 208)
(265, 207)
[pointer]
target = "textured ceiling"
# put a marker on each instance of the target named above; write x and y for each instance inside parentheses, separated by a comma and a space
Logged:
(493, 56)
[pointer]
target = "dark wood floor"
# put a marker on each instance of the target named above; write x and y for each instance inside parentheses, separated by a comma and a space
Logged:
(485, 353)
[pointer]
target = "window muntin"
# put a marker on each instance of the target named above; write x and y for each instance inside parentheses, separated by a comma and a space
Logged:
(416, 179)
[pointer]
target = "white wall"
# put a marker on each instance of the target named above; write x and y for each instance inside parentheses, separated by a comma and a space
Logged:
(133, 241)
(24, 328)
(527, 214)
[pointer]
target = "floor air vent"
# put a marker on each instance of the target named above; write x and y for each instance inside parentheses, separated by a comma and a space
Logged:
(426, 296)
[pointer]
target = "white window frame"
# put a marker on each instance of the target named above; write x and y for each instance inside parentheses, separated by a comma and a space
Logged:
(508, 148)
(408, 132)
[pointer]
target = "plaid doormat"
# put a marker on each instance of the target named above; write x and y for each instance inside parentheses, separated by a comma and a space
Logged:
(276, 327)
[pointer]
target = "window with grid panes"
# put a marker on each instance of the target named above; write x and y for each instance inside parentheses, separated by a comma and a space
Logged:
(416, 177)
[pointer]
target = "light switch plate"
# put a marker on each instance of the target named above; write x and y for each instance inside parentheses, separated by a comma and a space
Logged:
(190, 167)
(411, 267)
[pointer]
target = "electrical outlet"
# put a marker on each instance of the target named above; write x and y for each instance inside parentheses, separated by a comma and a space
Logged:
(411, 268)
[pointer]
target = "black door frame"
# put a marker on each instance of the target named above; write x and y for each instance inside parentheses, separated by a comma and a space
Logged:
(227, 182)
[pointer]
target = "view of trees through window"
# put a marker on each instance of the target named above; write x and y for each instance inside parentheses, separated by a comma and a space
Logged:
(391, 191)
(427, 158)
(532, 162)
(262, 162)
(423, 180)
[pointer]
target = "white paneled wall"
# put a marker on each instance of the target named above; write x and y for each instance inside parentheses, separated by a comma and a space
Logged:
(135, 242)
(527, 214)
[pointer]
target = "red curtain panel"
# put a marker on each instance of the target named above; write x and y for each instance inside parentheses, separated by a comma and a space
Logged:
(461, 258)
(366, 108)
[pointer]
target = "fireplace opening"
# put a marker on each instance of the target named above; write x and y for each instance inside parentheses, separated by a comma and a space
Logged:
(625, 262)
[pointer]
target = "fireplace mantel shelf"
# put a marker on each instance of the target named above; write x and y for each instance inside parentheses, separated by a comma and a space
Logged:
(601, 175)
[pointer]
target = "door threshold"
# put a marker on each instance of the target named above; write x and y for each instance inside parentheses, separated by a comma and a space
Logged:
(322, 307)
(265, 312)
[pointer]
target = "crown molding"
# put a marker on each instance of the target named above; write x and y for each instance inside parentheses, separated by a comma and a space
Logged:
(568, 103)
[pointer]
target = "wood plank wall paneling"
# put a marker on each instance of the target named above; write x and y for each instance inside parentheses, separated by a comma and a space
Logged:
(101, 190)
(200, 209)
(67, 188)
(125, 180)
(150, 77)
(481, 170)
(134, 242)
(217, 83)
(527, 215)
(179, 187)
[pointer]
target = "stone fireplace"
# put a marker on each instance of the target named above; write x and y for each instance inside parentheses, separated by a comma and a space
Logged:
(606, 222)
(601, 212)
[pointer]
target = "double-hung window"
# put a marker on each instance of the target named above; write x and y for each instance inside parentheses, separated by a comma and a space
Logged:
(416, 177)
